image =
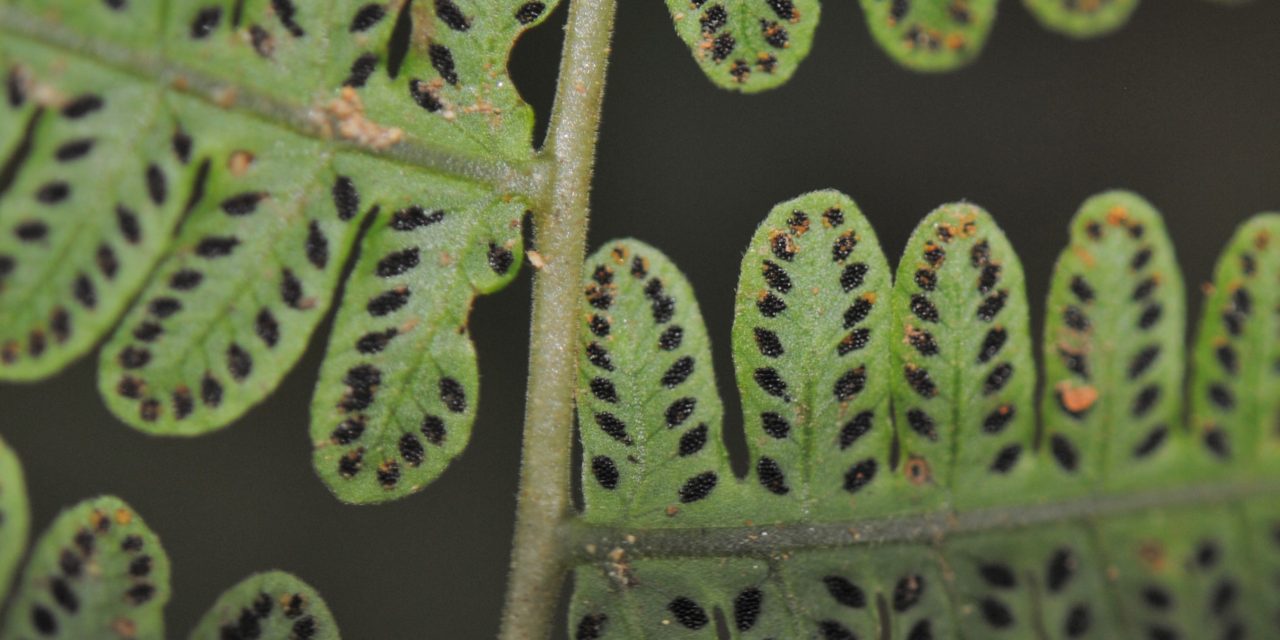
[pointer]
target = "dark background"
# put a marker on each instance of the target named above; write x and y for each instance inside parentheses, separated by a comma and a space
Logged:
(1182, 105)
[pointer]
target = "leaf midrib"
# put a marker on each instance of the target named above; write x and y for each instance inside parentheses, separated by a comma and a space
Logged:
(594, 542)
(528, 178)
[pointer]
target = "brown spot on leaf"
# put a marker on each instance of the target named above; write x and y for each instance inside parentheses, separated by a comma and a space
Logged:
(238, 162)
(346, 114)
(917, 470)
(1152, 554)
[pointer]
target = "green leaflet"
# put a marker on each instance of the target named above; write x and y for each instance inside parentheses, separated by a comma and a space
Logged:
(248, 279)
(828, 594)
(1235, 408)
(1098, 528)
(963, 375)
(92, 202)
(1086, 19)
(811, 351)
(1264, 545)
(746, 45)
(1168, 573)
(97, 572)
(275, 128)
(649, 415)
(271, 606)
(930, 35)
(1047, 582)
(755, 45)
(15, 516)
(398, 389)
(1113, 346)
(1189, 573)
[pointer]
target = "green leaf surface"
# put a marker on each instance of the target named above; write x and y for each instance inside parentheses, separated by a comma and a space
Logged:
(1106, 525)
(1235, 407)
(275, 130)
(746, 45)
(1166, 573)
(88, 201)
(268, 606)
(930, 35)
(97, 572)
(755, 45)
(1198, 562)
(1113, 347)
(648, 411)
(1082, 18)
(963, 374)
(15, 516)
(398, 389)
(830, 595)
(811, 350)
(247, 280)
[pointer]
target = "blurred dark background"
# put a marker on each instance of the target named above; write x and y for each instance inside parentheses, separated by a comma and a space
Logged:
(1182, 106)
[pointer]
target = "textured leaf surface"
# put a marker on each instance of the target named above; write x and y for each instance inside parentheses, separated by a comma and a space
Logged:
(1235, 406)
(931, 35)
(1113, 345)
(1082, 19)
(15, 516)
(276, 129)
(247, 280)
(87, 205)
(832, 595)
(754, 45)
(1105, 526)
(649, 413)
(1188, 574)
(746, 45)
(268, 606)
(1170, 573)
(398, 389)
(811, 350)
(963, 375)
(97, 572)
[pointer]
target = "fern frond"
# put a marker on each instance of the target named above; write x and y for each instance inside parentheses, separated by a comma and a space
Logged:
(1132, 535)
(756, 45)
(273, 136)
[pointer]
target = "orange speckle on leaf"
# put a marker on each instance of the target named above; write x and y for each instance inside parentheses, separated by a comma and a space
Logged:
(1117, 215)
(124, 627)
(619, 253)
(1084, 255)
(1077, 398)
(239, 162)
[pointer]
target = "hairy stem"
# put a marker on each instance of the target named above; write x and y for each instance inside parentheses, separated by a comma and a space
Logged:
(540, 556)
